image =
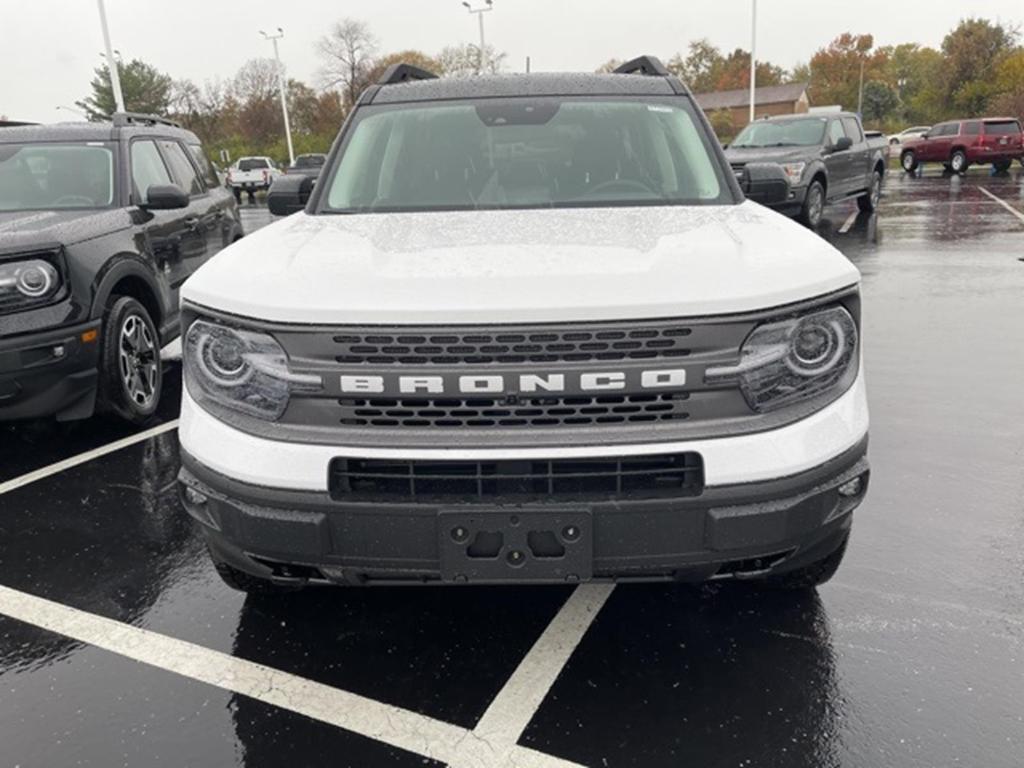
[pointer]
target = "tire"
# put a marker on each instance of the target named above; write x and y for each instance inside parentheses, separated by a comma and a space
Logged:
(238, 194)
(868, 202)
(131, 372)
(813, 575)
(908, 161)
(1002, 166)
(814, 205)
(958, 162)
(240, 581)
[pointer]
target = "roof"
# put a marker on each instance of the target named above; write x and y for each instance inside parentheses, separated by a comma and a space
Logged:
(82, 131)
(539, 84)
(771, 94)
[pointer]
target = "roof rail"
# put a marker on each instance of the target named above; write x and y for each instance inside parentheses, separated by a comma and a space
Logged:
(121, 119)
(14, 123)
(403, 73)
(650, 66)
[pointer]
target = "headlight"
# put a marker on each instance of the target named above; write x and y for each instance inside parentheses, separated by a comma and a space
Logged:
(244, 371)
(28, 283)
(794, 171)
(793, 360)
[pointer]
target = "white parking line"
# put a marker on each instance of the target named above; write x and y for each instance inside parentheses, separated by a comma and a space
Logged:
(848, 223)
(1003, 203)
(81, 458)
(385, 723)
(515, 705)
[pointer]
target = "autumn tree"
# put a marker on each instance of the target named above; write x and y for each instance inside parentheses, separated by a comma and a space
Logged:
(347, 52)
(144, 87)
(971, 52)
(465, 60)
(836, 68)
(1009, 85)
(416, 58)
(705, 68)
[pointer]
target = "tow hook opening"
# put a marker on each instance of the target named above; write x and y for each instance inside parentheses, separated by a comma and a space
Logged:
(753, 566)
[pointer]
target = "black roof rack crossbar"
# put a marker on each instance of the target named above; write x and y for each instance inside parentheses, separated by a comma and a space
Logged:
(403, 73)
(14, 123)
(121, 119)
(643, 65)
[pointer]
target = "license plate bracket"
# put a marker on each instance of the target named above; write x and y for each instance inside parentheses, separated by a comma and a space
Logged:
(516, 545)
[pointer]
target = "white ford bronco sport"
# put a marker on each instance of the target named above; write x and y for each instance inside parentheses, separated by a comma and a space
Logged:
(525, 328)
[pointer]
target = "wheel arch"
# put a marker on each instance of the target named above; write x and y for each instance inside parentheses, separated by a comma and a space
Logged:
(129, 277)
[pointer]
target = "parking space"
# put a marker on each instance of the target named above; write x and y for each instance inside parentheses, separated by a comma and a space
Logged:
(120, 645)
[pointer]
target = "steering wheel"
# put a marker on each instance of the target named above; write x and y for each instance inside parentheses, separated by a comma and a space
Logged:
(624, 184)
(72, 199)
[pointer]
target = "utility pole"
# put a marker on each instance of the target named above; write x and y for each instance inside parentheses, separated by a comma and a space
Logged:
(488, 6)
(860, 91)
(112, 63)
(753, 56)
(280, 85)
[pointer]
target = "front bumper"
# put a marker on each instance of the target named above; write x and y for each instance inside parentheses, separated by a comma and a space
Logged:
(47, 373)
(770, 503)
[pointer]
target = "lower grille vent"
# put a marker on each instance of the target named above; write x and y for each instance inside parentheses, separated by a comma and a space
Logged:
(659, 476)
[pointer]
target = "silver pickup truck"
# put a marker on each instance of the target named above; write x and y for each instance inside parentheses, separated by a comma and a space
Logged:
(827, 158)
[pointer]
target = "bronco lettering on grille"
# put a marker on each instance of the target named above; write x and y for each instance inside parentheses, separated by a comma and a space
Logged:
(527, 383)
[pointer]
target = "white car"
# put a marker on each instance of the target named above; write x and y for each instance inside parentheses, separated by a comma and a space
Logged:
(915, 132)
(252, 174)
(525, 329)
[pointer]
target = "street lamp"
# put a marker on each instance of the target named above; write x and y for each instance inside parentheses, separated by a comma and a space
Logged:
(488, 6)
(280, 85)
(753, 56)
(115, 76)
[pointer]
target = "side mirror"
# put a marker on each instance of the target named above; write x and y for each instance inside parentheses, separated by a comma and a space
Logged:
(165, 197)
(289, 194)
(843, 144)
(765, 183)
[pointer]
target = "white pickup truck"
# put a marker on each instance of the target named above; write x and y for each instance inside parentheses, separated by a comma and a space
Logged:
(525, 329)
(251, 175)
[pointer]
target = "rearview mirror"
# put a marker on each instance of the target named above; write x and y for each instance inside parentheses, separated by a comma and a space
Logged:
(842, 144)
(165, 197)
(289, 194)
(765, 183)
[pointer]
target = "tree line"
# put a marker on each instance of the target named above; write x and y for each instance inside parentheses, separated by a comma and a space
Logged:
(977, 70)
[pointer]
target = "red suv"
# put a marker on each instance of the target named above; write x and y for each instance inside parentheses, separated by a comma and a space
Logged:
(961, 143)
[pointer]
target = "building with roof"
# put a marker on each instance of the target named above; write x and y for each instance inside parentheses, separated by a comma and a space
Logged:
(771, 100)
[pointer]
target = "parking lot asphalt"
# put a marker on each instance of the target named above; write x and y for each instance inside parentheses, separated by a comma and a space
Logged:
(120, 646)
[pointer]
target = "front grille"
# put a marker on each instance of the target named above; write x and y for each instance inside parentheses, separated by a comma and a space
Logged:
(659, 476)
(545, 411)
(533, 345)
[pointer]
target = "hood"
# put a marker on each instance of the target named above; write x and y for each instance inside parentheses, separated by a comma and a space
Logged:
(520, 266)
(29, 229)
(744, 155)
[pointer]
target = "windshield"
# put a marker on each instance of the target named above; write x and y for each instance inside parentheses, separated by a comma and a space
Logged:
(1001, 127)
(252, 164)
(803, 132)
(525, 153)
(48, 176)
(309, 161)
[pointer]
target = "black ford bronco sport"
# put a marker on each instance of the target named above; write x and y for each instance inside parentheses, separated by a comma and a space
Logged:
(100, 224)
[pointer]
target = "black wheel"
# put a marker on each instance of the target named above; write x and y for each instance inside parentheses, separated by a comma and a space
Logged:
(244, 582)
(908, 161)
(238, 194)
(958, 161)
(812, 575)
(1002, 166)
(814, 205)
(868, 202)
(131, 374)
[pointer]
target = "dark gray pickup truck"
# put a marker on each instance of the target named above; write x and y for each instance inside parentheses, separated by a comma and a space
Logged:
(826, 157)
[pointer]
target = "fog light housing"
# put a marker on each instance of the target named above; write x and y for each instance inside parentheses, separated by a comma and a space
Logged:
(852, 488)
(192, 496)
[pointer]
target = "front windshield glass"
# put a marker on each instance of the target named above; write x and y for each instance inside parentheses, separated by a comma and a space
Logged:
(802, 132)
(525, 153)
(49, 176)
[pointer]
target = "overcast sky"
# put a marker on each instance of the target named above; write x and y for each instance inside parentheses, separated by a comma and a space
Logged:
(49, 47)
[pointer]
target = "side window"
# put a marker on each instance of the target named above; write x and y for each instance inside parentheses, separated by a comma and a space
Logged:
(950, 129)
(972, 128)
(148, 168)
(205, 168)
(835, 132)
(853, 129)
(181, 167)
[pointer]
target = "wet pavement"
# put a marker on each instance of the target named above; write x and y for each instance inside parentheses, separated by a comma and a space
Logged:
(912, 656)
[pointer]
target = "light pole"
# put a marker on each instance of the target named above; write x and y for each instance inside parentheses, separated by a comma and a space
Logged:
(112, 64)
(280, 85)
(488, 6)
(753, 56)
(860, 90)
